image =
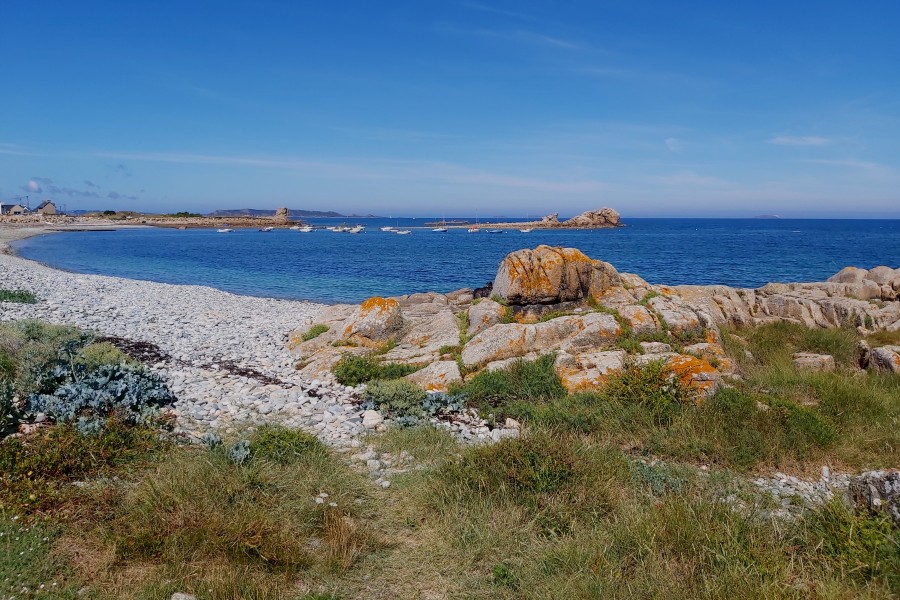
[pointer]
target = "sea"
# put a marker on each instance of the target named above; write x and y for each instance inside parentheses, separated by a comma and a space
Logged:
(329, 267)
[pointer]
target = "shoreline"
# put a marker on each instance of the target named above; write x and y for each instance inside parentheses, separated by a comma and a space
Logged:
(206, 336)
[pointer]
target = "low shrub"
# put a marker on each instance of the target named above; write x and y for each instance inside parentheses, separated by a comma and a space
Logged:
(523, 381)
(397, 399)
(353, 370)
(285, 446)
(35, 471)
(129, 393)
(18, 296)
(652, 385)
(93, 356)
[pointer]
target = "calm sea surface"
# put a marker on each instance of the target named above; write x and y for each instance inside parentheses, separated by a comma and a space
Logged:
(340, 267)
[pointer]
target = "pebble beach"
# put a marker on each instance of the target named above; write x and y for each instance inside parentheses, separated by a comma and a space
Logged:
(223, 355)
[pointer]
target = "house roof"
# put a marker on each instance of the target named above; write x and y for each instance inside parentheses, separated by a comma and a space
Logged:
(44, 203)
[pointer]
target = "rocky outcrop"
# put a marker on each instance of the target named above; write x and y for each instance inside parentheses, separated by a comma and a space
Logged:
(552, 219)
(282, 215)
(548, 275)
(557, 300)
(604, 217)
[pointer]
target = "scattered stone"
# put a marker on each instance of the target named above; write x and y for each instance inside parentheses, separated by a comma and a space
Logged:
(813, 362)
(437, 377)
(877, 492)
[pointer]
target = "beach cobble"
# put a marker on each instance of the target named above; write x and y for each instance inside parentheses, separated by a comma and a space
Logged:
(208, 342)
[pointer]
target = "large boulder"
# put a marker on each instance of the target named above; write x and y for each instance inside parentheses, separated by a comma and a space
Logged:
(604, 217)
(375, 320)
(849, 275)
(572, 334)
(548, 275)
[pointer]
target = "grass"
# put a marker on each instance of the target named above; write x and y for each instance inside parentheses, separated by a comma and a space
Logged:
(523, 381)
(353, 369)
(28, 566)
(314, 332)
(18, 296)
(36, 471)
(577, 507)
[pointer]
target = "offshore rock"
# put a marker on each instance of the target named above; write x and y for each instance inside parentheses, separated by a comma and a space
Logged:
(282, 215)
(604, 217)
(549, 275)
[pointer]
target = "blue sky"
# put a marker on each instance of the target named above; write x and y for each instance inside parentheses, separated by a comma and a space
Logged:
(428, 107)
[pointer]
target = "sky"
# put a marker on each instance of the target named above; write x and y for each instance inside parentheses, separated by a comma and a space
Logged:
(430, 107)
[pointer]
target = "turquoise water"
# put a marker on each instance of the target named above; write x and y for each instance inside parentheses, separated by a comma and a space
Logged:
(338, 267)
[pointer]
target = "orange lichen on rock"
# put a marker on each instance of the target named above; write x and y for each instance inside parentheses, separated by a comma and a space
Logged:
(696, 374)
(376, 319)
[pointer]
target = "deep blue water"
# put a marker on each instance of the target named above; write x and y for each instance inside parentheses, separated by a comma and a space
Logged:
(339, 267)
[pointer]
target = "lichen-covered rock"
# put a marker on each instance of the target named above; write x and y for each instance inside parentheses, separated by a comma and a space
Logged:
(548, 275)
(885, 358)
(574, 334)
(877, 492)
(437, 377)
(483, 315)
(639, 319)
(375, 320)
(809, 361)
(588, 371)
(696, 374)
(677, 315)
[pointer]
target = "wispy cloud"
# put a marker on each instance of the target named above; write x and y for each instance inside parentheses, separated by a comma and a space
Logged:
(799, 140)
(15, 150)
(673, 144)
(689, 179)
(522, 36)
(377, 169)
(497, 11)
(851, 163)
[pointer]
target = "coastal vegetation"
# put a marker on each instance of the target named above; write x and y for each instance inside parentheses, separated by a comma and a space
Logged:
(18, 296)
(633, 490)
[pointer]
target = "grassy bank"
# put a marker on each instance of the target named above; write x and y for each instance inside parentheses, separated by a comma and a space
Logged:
(629, 492)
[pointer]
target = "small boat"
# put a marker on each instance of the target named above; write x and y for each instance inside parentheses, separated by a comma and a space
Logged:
(495, 231)
(267, 229)
(357, 229)
(306, 229)
(402, 231)
(439, 230)
(296, 228)
(473, 230)
(387, 228)
(529, 230)
(225, 230)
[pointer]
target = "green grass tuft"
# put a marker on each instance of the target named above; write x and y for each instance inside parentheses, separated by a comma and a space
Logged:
(18, 296)
(314, 332)
(354, 370)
